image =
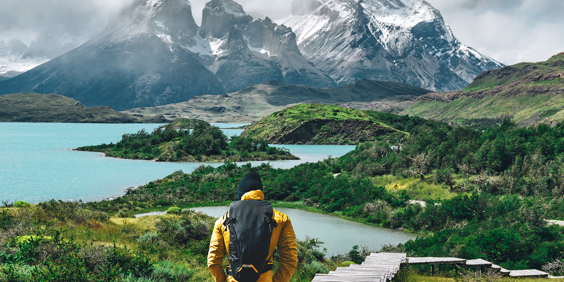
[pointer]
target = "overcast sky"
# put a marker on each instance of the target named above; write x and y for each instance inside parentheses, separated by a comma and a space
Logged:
(510, 31)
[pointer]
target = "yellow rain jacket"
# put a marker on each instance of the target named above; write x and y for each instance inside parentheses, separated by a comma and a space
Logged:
(283, 237)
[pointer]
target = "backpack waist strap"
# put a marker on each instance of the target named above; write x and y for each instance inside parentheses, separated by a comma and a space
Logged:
(267, 268)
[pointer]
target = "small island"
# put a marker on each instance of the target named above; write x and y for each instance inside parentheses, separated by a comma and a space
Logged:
(190, 140)
(315, 124)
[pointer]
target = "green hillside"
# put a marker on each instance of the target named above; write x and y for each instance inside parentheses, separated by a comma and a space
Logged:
(321, 124)
(528, 93)
(33, 107)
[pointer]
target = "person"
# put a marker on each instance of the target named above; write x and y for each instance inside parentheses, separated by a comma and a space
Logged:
(283, 238)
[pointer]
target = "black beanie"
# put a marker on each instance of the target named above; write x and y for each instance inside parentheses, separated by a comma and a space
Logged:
(250, 182)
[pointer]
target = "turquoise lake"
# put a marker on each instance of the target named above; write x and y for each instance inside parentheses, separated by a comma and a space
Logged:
(37, 162)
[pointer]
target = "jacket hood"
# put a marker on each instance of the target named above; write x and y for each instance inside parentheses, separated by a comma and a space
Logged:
(253, 195)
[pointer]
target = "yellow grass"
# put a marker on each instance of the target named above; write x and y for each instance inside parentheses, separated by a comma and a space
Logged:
(141, 223)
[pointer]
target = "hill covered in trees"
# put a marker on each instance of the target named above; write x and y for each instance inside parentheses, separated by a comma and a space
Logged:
(190, 140)
(321, 125)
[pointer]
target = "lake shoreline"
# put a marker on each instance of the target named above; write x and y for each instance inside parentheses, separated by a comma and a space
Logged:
(275, 204)
(327, 228)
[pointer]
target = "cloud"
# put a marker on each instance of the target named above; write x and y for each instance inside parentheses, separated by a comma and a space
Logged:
(510, 31)
(275, 9)
(26, 19)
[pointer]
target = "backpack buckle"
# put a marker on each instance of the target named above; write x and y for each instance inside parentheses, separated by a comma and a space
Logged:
(271, 221)
(229, 221)
(248, 266)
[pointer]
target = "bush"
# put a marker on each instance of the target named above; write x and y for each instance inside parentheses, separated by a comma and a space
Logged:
(22, 204)
(346, 263)
(179, 232)
(40, 258)
(355, 255)
(170, 271)
(173, 210)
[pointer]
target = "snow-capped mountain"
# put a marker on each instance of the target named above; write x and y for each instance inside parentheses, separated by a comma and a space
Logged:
(16, 57)
(13, 59)
(152, 54)
(398, 40)
(251, 51)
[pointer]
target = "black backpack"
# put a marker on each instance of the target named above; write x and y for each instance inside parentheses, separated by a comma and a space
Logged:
(250, 226)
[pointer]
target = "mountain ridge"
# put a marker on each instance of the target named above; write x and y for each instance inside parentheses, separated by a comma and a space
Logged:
(257, 101)
(398, 40)
(528, 93)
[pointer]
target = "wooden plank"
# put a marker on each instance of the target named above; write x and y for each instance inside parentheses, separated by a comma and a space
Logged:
(478, 262)
(433, 260)
(343, 279)
(528, 273)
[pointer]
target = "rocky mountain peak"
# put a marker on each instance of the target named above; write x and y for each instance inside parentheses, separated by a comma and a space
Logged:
(219, 16)
(234, 41)
(260, 49)
(164, 18)
(398, 40)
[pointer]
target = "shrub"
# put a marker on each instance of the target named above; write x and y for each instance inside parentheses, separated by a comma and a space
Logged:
(346, 263)
(191, 226)
(7, 220)
(38, 259)
(355, 255)
(173, 210)
(170, 271)
(22, 204)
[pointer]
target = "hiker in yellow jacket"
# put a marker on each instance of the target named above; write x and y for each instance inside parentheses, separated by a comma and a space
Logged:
(283, 238)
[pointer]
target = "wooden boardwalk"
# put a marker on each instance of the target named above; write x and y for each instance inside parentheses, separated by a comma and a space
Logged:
(382, 267)
(378, 267)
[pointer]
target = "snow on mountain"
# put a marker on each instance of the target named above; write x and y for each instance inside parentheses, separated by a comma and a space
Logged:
(399, 40)
(151, 54)
(268, 46)
(12, 61)
(16, 57)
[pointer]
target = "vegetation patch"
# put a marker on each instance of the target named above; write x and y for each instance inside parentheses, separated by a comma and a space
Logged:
(187, 140)
(22, 204)
(321, 125)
